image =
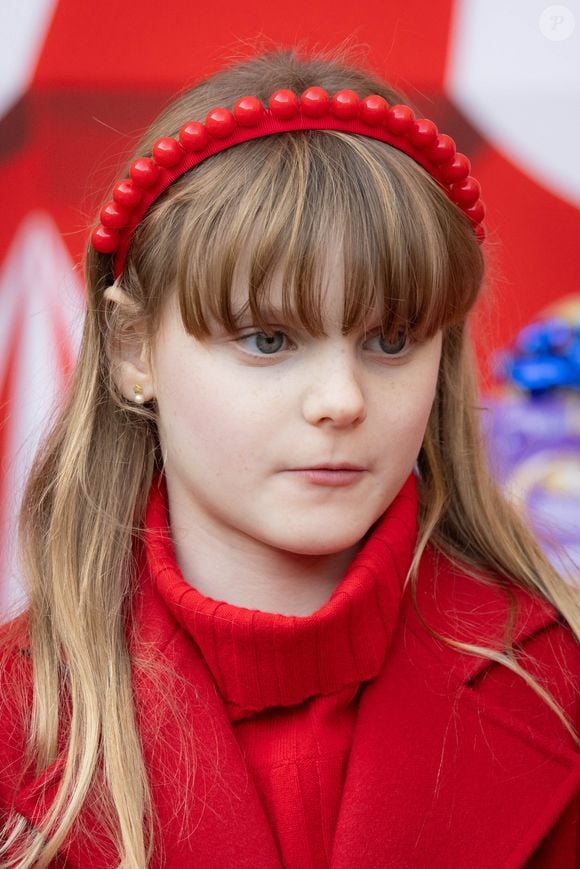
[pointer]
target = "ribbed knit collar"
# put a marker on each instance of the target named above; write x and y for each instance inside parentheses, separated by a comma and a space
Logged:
(260, 659)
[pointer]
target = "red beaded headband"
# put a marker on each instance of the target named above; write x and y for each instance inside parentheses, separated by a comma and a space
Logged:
(314, 110)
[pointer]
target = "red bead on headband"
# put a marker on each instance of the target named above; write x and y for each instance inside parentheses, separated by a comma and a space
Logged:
(314, 110)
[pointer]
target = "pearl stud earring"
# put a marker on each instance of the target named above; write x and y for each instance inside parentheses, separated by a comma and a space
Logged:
(138, 393)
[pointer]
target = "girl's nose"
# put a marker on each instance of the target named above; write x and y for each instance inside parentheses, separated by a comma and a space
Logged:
(334, 394)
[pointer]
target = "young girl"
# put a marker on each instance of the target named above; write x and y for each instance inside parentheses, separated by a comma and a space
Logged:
(280, 614)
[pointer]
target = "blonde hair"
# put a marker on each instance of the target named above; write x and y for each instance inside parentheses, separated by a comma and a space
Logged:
(280, 200)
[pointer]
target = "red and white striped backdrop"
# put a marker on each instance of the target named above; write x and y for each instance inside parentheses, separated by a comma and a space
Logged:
(79, 81)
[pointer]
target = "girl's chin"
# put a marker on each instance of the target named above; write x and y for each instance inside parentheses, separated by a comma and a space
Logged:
(320, 545)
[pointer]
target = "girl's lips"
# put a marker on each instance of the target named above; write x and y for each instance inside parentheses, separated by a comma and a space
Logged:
(328, 476)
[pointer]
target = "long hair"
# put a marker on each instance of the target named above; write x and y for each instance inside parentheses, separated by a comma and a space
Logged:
(279, 201)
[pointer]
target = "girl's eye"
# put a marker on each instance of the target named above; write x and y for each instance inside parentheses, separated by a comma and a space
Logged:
(264, 344)
(391, 348)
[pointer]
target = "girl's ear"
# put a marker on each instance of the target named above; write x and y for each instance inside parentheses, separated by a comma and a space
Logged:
(129, 347)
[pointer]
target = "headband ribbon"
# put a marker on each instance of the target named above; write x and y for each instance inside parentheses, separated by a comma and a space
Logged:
(396, 125)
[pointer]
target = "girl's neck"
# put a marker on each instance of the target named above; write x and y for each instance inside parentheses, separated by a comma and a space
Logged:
(227, 565)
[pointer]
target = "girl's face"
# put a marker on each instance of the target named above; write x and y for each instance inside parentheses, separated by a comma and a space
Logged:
(241, 417)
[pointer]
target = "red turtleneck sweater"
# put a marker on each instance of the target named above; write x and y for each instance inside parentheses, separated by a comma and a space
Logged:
(291, 684)
(437, 758)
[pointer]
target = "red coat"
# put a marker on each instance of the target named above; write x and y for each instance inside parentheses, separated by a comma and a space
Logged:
(455, 762)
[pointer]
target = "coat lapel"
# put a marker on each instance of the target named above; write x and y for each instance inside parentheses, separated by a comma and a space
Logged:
(439, 774)
(224, 823)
